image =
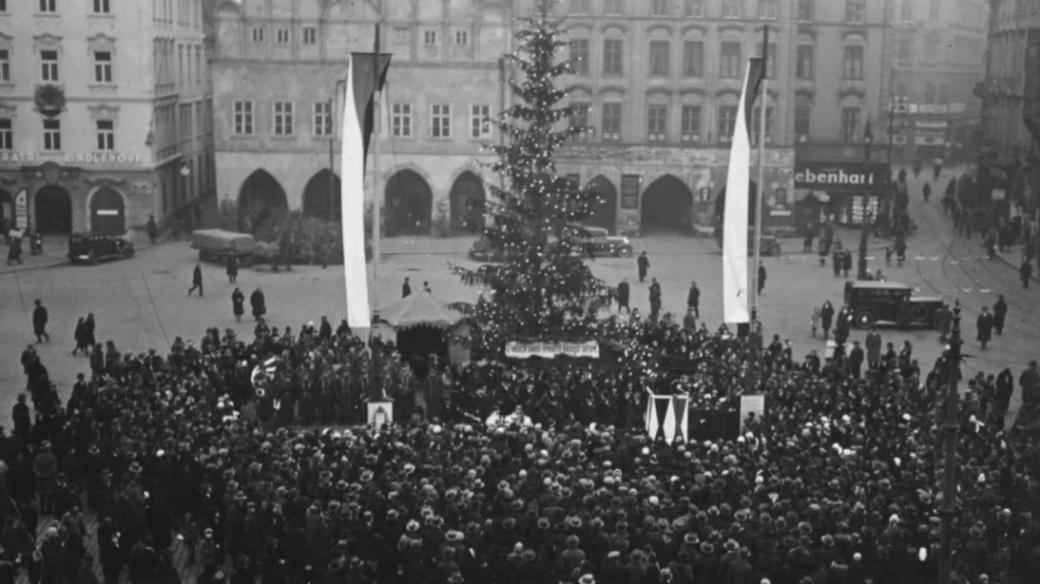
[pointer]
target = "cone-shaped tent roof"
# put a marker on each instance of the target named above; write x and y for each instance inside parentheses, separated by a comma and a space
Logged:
(417, 309)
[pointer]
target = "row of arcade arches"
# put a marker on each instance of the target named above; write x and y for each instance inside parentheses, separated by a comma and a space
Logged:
(52, 209)
(666, 204)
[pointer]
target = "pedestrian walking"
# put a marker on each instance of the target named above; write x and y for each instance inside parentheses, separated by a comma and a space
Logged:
(196, 280)
(984, 326)
(826, 318)
(88, 331)
(39, 319)
(238, 302)
(900, 246)
(693, 299)
(837, 261)
(258, 303)
(943, 321)
(1000, 309)
(926, 191)
(406, 288)
(643, 264)
(232, 271)
(855, 360)
(842, 325)
(873, 343)
(426, 287)
(655, 299)
(761, 278)
(846, 263)
(937, 168)
(79, 336)
(807, 243)
(153, 229)
(623, 293)
(1025, 272)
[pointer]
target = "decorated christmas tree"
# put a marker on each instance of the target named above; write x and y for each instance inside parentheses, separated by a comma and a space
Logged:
(544, 289)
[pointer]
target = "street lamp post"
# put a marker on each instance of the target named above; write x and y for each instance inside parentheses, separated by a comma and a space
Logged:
(950, 427)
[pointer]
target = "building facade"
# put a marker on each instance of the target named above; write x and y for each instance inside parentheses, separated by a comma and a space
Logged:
(103, 113)
(659, 82)
(1008, 162)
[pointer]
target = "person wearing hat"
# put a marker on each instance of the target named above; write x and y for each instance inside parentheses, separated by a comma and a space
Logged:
(45, 469)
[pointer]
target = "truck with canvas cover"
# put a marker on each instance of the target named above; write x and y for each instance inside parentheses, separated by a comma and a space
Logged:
(216, 245)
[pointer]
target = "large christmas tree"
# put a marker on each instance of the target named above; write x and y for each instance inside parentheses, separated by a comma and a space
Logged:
(544, 289)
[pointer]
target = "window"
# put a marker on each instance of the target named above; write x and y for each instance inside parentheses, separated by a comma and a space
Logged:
(906, 11)
(805, 58)
(49, 6)
(101, 7)
(802, 115)
(732, 9)
(852, 63)
(243, 117)
(660, 7)
(310, 35)
(931, 47)
(767, 9)
(5, 66)
(580, 56)
(904, 49)
(6, 134)
(258, 35)
(106, 135)
(282, 36)
(401, 120)
(322, 118)
(51, 134)
(480, 121)
(850, 124)
(727, 120)
(103, 66)
(612, 57)
(690, 123)
(657, 122)
(429, 37)
(611, 122)
(855, 11)
(3, 5)
(729, 60)
(579, 6)
(756, 120)
(614, 7)
(695, 8)
(693, 59)
(805, 10)
(929, 92)
(49, 65)
(440, 121)
(580, 119)
(659, 58)
(283, 118)
(462, 37)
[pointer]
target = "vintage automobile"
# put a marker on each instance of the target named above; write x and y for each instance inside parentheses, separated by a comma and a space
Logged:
(770, 243)
(91, 248)
(598, 242)
(889, 302)
(216, 245)
(483, 250)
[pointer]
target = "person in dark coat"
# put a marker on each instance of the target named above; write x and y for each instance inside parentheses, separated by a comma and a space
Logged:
(79, 336)
(39, 319)
(14, 251)
(655, 299)
(22, 418)
(693, 299)
(259, 304)
(873, 349)
(153, 229)
(826, 318)
(643, 264)
(761, 278)
(238, 301)
(89, 326)
(999, 314)
(926, 191)
(855, 360)
(623, 293)
(1005, 387)
(196, 280)
(984, 326)
(232, 270)
(1025, 272)
(406, 288)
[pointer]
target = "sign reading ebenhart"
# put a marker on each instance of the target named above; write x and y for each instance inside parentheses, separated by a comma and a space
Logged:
(840, 175)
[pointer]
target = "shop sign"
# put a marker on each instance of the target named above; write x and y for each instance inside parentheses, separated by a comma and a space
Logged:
(931, 124)
(630, 191)
(809, 175)
(937, 108)
(21, 210)
(551, 349)
(73, 158)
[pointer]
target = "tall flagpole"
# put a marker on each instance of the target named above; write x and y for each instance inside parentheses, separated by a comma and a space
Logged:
(376, 211)
(753, 292)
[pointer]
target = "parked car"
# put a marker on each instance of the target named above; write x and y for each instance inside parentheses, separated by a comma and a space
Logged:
(889, 302)
(770, 243)
(92, 248)
(597, 241)
(216, 245)
(483, 250)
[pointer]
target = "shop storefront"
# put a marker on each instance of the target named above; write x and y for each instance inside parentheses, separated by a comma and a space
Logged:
(842, 192)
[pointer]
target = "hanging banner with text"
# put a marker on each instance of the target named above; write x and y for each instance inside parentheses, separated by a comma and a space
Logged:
(551, 349)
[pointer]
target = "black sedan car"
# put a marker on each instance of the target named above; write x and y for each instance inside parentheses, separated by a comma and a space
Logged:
(91, 248)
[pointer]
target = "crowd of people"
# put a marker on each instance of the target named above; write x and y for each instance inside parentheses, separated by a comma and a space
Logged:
(254, 456)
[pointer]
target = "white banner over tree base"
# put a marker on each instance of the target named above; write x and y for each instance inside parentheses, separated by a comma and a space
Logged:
(667, 416)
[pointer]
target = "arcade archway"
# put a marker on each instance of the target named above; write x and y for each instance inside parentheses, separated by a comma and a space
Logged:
(667, 206)
(322, 197)
(53, 207)
(604, 211)
(107, 212)
(409, 204)
(467, 204)
(261, 203)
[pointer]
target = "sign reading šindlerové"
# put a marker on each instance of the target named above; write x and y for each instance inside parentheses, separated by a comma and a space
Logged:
(840, 175)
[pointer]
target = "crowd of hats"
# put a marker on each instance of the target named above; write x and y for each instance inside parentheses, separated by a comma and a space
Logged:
(838, 482)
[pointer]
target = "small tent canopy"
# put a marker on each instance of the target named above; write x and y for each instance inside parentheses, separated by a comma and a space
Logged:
(418, 309)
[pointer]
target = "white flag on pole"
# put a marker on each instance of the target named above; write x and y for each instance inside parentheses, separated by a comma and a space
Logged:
(352, 168)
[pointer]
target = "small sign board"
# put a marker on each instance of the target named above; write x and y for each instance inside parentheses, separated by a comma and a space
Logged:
(751, 404)
(21, 210)
(380, 413)
(630, 191)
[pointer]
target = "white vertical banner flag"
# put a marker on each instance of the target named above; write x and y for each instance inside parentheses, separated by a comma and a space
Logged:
(735, 220)
(352, 173)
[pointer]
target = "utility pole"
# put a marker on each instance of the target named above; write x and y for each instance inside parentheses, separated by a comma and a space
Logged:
(760, 187)
(950, 426)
